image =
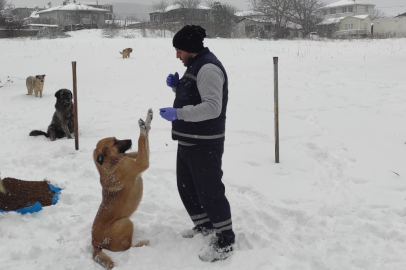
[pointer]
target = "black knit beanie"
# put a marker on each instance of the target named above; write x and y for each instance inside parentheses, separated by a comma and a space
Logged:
(189, 38)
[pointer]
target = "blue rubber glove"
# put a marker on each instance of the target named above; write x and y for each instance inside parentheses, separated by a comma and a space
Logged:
(172, 80)
(169, 114)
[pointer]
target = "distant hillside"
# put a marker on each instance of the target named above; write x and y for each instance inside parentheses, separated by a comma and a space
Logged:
(139, 11)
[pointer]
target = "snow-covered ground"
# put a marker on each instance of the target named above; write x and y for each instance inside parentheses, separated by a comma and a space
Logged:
(336, 200)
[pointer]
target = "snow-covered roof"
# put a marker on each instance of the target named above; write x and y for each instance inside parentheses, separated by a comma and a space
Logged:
(346, 3)
(293, 25)
(361, 16)
(331, 21)
(177, 6)
(34, 14)
(248, 13)
(260, 19)
(73, 7)
(339, 19)
(42, 25)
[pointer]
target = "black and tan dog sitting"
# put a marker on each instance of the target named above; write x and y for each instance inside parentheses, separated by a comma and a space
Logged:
(62, 124)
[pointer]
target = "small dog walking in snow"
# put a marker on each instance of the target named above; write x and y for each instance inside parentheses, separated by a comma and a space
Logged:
(120, 177)
(126, 52)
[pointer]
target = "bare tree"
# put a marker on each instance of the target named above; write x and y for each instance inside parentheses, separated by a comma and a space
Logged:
(3, 4)
(305, 13)
(221, 19)
(10, 5)
(191, 4)
(161, 7)
(378, 14)
(280, 11)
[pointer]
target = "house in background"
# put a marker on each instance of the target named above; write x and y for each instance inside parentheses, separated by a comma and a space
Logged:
(252, 24)
(6, 15)
(390, 27)
(108, 15)
(71, 14)
(346, 18)
(255, 24)
(175, 13)
(22, 13)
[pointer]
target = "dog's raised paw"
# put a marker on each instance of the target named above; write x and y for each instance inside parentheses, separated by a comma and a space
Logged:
(150, 116)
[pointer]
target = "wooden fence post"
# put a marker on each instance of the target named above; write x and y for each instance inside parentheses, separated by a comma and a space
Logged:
(75, 106)
(276, 108)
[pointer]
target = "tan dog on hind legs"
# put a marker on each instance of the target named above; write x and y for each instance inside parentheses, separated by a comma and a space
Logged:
(35, 83)
(120, 177)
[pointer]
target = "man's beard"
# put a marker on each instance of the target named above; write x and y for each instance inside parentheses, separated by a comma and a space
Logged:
(186, 61)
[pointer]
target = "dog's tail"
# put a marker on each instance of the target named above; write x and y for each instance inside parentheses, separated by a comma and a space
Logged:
(102, 258)
(2, 188)
(121, 53)
(38, 133)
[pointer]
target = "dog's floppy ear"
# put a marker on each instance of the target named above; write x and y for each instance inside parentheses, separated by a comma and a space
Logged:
(37, 76)
(71, 96)
(58, 93)
(43, 75)
(100, 157)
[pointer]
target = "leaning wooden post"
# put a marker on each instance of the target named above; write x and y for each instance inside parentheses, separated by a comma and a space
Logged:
(75, 106)
(275, 80)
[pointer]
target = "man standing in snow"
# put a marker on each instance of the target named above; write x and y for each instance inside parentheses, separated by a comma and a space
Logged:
(198, 120)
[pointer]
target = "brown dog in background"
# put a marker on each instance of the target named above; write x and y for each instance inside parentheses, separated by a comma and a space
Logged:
(126, 52)
(120, 178)
(35, 83)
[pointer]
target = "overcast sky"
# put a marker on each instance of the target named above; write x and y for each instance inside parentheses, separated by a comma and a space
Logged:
(391, 7)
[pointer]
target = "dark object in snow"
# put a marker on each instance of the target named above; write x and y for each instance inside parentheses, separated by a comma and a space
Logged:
(27, 196)
(62, 124)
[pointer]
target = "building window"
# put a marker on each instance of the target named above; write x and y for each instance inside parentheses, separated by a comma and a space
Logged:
(267, 27)
(365, 25)
(366, 8)
(332, 11)
(349, 26)
(349, 9)
(344, 9)
(67, 16)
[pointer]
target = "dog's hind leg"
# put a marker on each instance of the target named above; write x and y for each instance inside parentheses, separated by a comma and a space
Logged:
(142, 243)
(121, 232)
(29, 90)
(52, 133)
(102, 258)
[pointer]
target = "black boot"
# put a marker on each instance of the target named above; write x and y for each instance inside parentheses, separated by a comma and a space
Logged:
(217, 251)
